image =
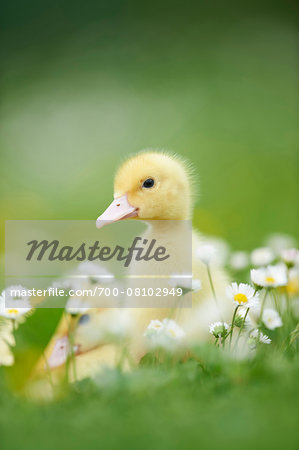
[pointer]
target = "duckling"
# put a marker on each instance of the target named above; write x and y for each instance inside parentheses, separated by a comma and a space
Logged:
(158, 189)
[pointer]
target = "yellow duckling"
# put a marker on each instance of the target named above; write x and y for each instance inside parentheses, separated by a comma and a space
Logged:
(156, 188)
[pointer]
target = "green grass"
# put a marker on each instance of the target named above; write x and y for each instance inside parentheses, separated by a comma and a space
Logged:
(210, 403)
(215, 82)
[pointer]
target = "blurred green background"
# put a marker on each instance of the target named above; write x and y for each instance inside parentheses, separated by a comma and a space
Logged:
(86, 84)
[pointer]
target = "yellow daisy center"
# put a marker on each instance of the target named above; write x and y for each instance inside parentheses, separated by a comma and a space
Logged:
(172, 332)
(12, 311)
(270, 280)
(241, 298)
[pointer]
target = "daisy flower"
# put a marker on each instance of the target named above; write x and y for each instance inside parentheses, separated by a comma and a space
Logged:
(221, 249)
(260, 337)
(155, 325)
(196, 284)
(164, 334)
(239, 260)
(14, 302)
(279, 242)
(270, 276)
(239, 319)
(271, 319)
(243, 295)
(206, 253)
(14, 294)
(13, 312)
(290, 257)
(76, 306)
(219, 329)
(95, 273)
(172, 329)
(262, 256)
(61, 284)
(185, 281)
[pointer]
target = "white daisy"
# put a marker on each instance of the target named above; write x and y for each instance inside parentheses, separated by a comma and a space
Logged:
(259, 336)
(219, 329)
(94, 272)
(271, 319)
(290, 257)
(279, 242)
(13, 294)
(166, 334)
(62, 284)
(196, 284)
(172, 329)
(270, 276)
(206, 253)
(14, 313)
(76, 306)
(219, 247)
(262, 256)
(239, 319)
(239, 260)
(185, 281)
(243, 294)
(14, 302)
(155, 325)
(65, 284)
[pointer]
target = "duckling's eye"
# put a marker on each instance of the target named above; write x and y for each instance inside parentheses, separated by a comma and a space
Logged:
(149, 183)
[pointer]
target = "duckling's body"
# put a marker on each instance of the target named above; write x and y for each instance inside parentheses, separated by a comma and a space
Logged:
(158, 189)
(195, 316)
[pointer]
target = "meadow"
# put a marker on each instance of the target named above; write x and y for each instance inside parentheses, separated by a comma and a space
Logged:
(216, 84)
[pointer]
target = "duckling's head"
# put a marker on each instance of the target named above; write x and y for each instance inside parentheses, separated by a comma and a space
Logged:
(151, 186)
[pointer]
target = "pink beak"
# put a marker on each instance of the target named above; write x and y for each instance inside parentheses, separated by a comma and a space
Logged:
(119, 209)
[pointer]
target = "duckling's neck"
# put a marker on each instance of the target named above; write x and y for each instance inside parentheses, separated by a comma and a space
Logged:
(176, 237)
(173, 230)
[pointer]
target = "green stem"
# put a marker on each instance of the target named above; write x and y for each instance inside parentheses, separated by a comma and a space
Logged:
(211, 283)
(232, 325)
(71, 358)
(289, 306)
(241, 327)
(263, 305)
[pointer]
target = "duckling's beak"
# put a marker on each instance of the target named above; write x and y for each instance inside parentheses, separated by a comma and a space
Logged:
(119, 209)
